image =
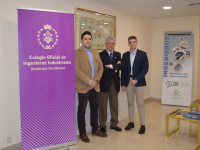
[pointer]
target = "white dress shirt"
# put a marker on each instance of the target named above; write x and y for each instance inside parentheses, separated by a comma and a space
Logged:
(132, 58)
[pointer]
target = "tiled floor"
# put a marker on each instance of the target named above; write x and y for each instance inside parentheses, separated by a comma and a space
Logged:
(153, 139)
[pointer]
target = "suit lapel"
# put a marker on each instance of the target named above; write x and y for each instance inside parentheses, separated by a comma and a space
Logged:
(114, 57)
(94, 55)
(137, 57)
(129, 61)
(107, 57)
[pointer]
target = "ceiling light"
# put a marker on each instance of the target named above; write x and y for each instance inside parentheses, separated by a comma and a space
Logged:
(97, 14)
(167, 7)
(105, 23)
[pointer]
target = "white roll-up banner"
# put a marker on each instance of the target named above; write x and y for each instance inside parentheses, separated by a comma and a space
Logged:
(177, 69)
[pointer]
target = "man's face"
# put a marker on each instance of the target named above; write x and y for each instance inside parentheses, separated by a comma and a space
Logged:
(110, 44)
(132, 43)
(87, 41)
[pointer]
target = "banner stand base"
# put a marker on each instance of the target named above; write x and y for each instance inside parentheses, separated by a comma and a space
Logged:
(58, 146)
(67, 148)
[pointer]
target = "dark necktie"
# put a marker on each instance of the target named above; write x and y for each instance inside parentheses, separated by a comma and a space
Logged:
(111, 56)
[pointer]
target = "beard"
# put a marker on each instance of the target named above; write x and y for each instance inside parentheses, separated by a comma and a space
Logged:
(87, 46)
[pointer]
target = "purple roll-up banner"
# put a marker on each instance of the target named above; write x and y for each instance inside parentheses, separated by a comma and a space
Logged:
(47, 78)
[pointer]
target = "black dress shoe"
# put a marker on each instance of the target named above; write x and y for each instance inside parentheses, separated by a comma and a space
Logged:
(103, 130)
(116, 128)
(129, 126)
(142, 129)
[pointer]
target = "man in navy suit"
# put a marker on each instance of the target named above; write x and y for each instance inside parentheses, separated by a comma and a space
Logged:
(109, 85)
(133, 81)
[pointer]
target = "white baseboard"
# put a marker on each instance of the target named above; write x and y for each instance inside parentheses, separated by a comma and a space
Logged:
(12, 147)
(57, 146)
(122, 117)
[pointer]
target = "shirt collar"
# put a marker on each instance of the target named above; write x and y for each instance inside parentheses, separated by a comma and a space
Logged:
(134, 51)
(109, 52)
(86, 49)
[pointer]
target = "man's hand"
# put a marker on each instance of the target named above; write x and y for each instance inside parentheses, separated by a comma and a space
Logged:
(92, 85)
(123, 88)
(88, 87)
(133, 82)
(119, 62)
(107, 66)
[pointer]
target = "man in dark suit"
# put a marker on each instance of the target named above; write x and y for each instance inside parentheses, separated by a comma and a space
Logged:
(133, 81)
(109, 85)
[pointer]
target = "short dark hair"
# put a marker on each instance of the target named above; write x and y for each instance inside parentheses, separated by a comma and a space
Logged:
(132, 37)
(84, 33)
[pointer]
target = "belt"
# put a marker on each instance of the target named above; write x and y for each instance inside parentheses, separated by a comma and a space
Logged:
(131, 76)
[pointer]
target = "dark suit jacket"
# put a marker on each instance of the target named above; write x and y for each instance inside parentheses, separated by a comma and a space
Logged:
(140, 68)
(109, 74)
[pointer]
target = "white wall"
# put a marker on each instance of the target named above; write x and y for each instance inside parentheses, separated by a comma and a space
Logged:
(127, 24)
(172, 24)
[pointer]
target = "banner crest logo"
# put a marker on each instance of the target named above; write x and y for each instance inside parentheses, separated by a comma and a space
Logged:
(176, 91)
(47, 37)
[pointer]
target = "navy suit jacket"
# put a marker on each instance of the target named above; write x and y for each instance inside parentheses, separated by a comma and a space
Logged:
(109, 74)
(140, 68)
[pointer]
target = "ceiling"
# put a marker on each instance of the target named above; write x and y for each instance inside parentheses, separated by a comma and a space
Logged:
(154, 8)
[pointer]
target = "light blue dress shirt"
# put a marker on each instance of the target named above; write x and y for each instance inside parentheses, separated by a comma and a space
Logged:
(90, 56)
